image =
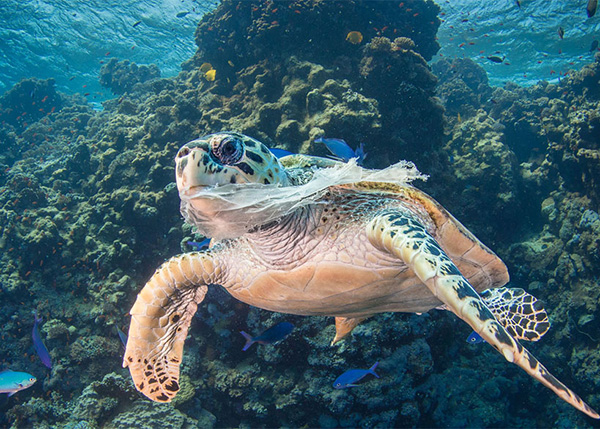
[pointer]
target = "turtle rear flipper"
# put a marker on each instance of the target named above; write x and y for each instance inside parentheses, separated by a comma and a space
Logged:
(160, 319)
(523, 316)
(402, 234)
(345, 325)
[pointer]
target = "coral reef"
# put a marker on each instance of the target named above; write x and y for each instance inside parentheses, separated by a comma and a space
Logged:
(27, 102)
(145, 414)
(259, 65)
(28, 112)
(121, 76)
(88, 210)
(483, 164)
(463, 86)
(401, 81)
(245, 33)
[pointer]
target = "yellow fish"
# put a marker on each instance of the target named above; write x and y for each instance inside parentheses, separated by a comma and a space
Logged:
(354, 37)
(206, 67)
(459, 118)
(210, 75)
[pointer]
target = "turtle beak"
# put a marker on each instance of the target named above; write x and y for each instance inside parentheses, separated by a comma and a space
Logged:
(182, 159)
(190, 171)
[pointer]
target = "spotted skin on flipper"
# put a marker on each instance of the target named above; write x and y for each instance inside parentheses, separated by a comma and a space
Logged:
(402, 234)
(160, 319)
(522, 314)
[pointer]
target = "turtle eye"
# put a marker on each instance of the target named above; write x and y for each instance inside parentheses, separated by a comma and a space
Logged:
(228, 150)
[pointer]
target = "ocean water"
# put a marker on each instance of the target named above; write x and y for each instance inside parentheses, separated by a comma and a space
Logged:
(526, 37)
(70, 40)
(90, 209)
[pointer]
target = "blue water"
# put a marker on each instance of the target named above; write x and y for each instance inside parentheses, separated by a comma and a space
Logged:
(69, 40)
(526, 36)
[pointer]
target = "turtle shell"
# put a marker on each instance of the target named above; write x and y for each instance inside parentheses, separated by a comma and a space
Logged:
(480, 265)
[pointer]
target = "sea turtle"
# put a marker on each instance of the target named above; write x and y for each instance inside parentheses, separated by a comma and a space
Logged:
(312, 236)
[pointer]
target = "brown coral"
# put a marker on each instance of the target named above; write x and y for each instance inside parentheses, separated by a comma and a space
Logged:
(404, 43)
(379, 44)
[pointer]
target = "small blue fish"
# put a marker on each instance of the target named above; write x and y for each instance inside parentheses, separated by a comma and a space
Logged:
(199, 245)
(475, 338)
(360, 153)
(40, 348)
(280, 153)
(122, 336)
(272, 335)
(12, 382)
(342, 151)
(352, 376)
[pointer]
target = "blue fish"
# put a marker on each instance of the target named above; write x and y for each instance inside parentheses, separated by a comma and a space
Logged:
(360, 153)
(40, 348)
(342, 151)
(280, 153)
(272, 335)
(199, 245)
(12, 382)
(352, 376)
(475, 338)
(122, 336)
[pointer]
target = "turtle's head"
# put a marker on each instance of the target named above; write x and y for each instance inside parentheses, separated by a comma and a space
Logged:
(224, 179)
(225, 158)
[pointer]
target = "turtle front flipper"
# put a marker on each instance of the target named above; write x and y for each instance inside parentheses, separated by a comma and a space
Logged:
(160, 319)
(402, 234)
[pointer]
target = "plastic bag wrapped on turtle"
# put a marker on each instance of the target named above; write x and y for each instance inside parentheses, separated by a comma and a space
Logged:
(231, 210)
